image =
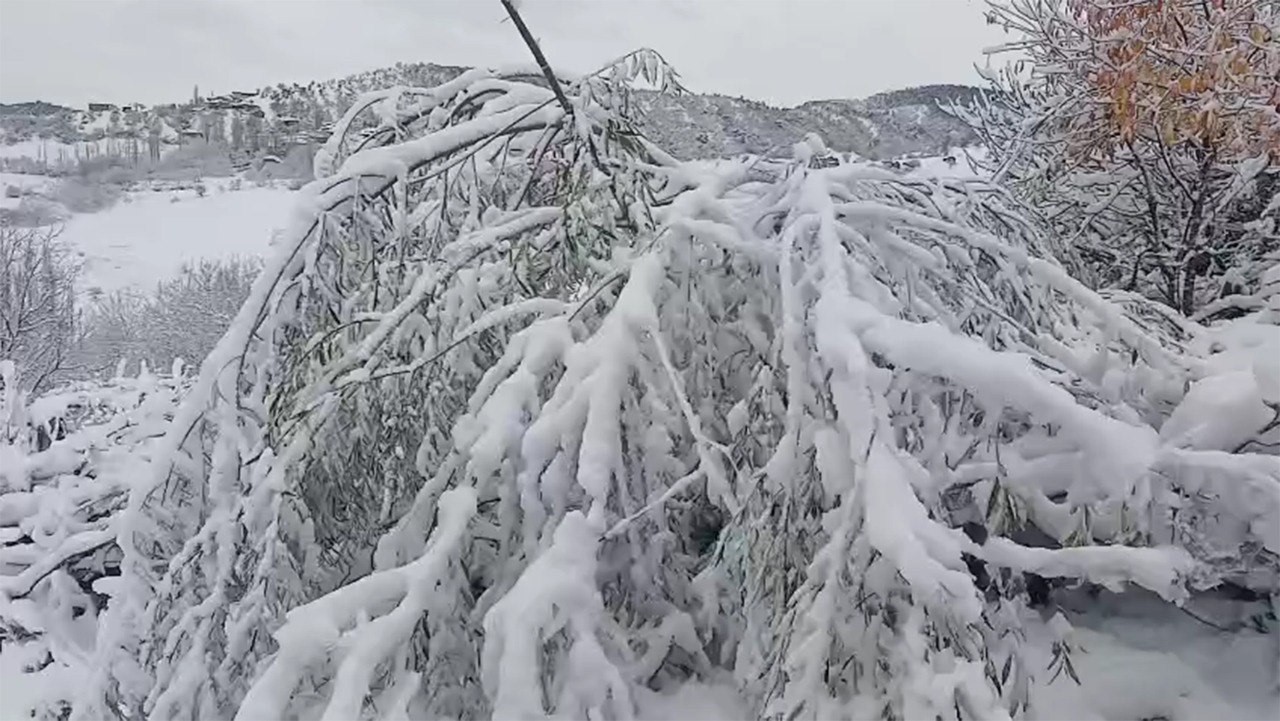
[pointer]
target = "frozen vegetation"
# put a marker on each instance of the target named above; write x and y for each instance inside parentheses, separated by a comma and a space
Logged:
(521, 416)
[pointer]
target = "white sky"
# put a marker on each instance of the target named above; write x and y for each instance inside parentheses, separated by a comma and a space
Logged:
(779, 51)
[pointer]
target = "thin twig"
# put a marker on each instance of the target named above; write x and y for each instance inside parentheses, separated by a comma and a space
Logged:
(1207, 622)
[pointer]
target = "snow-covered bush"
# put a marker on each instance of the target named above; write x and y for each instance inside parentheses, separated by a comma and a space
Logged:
(527, 419)
(1234, 408)
(39, 328)
(67, 461)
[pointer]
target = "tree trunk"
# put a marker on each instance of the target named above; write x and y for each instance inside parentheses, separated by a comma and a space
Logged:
(1191, 237)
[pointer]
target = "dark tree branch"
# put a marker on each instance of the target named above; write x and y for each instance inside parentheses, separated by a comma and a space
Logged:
(538, 56)
(549, 75)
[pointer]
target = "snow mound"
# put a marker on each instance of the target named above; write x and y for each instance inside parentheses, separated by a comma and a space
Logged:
(1220, 413)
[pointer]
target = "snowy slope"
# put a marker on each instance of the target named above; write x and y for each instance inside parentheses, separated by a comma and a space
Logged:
(137, 243)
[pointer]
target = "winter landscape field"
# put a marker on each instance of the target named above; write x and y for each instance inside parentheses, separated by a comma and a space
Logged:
(520, 391)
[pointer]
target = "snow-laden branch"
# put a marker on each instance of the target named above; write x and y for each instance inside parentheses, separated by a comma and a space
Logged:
(315, 631)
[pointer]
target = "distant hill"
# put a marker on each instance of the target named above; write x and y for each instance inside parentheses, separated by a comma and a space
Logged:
(887, 125)
(34, 107)
(695, 125)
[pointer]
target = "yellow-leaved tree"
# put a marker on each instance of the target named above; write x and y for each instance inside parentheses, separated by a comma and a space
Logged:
(1205, 74)
(1147, 133)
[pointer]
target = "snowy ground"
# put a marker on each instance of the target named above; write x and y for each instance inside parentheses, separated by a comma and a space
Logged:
(1140, 658)
(136, 243)
(148, 236)
(1137, 657)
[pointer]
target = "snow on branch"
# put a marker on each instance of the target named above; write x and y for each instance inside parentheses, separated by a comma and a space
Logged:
(67, 460)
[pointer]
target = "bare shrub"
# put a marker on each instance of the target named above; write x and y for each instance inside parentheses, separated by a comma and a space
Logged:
(39, 328)
(193, 161)
(33, 211)
(99, 182)
(105, 168)
(87, 194)
(114, 329)
(184, 318)
(191, 312)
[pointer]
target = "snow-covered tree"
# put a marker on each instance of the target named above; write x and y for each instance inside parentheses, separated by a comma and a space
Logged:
(526, 419)
(1147, 135)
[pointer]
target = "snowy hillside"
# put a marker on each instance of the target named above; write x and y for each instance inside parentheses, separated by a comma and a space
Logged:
(692, 125)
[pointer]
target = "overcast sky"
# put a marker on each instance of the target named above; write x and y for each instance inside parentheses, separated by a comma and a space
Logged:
(779, 51)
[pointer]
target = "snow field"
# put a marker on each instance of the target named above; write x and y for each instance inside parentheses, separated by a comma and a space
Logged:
(150, 236)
